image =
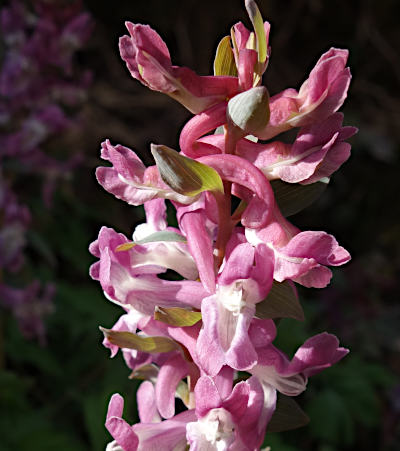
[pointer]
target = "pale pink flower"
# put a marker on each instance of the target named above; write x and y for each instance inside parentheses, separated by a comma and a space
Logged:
(130, 281)
(245, 57)
(230, 420)
(150, 432)
(245, 279)
(320, 95)
(299, 256)
(290, 376)
(148, 60)
(128, 179)
(318, 151)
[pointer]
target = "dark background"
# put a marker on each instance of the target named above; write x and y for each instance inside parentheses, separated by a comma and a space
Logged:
(55, 396)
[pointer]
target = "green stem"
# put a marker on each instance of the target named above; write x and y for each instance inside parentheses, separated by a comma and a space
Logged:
(237, 214)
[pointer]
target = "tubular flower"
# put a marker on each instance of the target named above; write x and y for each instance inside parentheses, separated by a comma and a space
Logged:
(148, 60)
(299, 256)
(320, 95)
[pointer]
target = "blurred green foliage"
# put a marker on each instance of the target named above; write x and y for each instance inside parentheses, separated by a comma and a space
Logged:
(55, 396)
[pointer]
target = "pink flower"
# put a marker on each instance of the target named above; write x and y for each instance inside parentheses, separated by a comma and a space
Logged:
(245, 57)
(130, 180)
(299, 256)
(290, 377)
(148, 60)
(320, 95)
(167, 368)
(119, 428)
(318, 151)
(230, 420)
(245, 280)
(174, 255)
(150, 432)
(131, 281)
(198, 220)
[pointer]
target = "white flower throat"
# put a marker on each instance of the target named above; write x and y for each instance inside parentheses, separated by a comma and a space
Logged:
(232, 297)
(218, 428)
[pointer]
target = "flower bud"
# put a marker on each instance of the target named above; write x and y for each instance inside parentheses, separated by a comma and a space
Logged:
(184, 175)
(249, 110)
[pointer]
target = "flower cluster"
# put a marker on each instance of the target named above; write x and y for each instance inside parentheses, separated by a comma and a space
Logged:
(40, 93)
(200, 300)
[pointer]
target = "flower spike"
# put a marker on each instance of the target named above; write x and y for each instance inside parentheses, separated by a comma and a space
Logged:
(200, 299)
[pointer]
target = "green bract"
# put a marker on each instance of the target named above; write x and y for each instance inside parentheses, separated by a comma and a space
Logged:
(258, 24)
(176, 316)
(224, 63)
(133, 341)
(293, 197)
(281, 302)
(184, 175)
(288, 415)
(249, 110)
(163, 235)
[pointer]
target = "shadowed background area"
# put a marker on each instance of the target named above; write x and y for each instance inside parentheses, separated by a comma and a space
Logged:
(54, 391)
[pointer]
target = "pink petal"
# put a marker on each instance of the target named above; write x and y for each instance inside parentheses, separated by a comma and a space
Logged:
(119, 428)
(210, 354)
(247, 61)
(209, 90)
(317, 277)
(155, 64)
(156, 214)
(200, 246)
(261, 406)
(241, 354)
(207, 396)
(224, 338)
(239, 264)
(272, 371)
(318, 245)
(128, 165)
(328, 68)
(334, 158)
(187, 336)
(263, 270)
(317, 353)
(170, 434)
(146, 402)
(237, 401)
(223, 381)
(242, 35)
(171, 373)
(305, 167)
(262, 332)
